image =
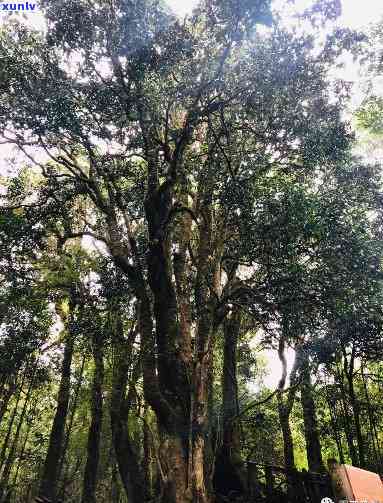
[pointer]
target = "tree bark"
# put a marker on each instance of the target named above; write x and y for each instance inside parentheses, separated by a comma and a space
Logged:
(313, 447)
(94, 436)
(284, 409)
(176, 381)
(125, 450)
(358, 429)
(8, 390)
(4, 447)
(336, 430)
(147, 467)
(372, 420)
(355, 405)
(347, 420)
(288, 444)
(49, 480)
(229, 467)
(115, 486)
(25, 441)
(12, 452)
(349, 434)
(73, 410)
(285, 406)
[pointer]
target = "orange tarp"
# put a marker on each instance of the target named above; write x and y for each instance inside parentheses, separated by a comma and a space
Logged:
(355, 484)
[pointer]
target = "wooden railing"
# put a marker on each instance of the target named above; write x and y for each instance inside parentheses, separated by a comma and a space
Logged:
(274, 484)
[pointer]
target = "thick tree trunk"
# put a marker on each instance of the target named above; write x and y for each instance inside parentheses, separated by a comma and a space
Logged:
(313, 447)
(94, 436)
(48, 485)
(175, 380)
(175, 465)
(229, 467)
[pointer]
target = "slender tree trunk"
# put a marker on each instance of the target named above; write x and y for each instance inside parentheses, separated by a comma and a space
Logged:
(284, 409)
(4, 378)
(68, 432)
(230, 470)
(288, 444)
(355, 405)
(372, 420)
(93, 448)
(126, 453)
(358, 429)
(26, 438)
(147, 467)
(9, 388)
(285, 405)
(334, 425)
(11, 421)
(347, 420)
(313, 447)
(49, 480)
(211, 441)
(115, 489)
(349, 434)
(12, 452)
(209, 260)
